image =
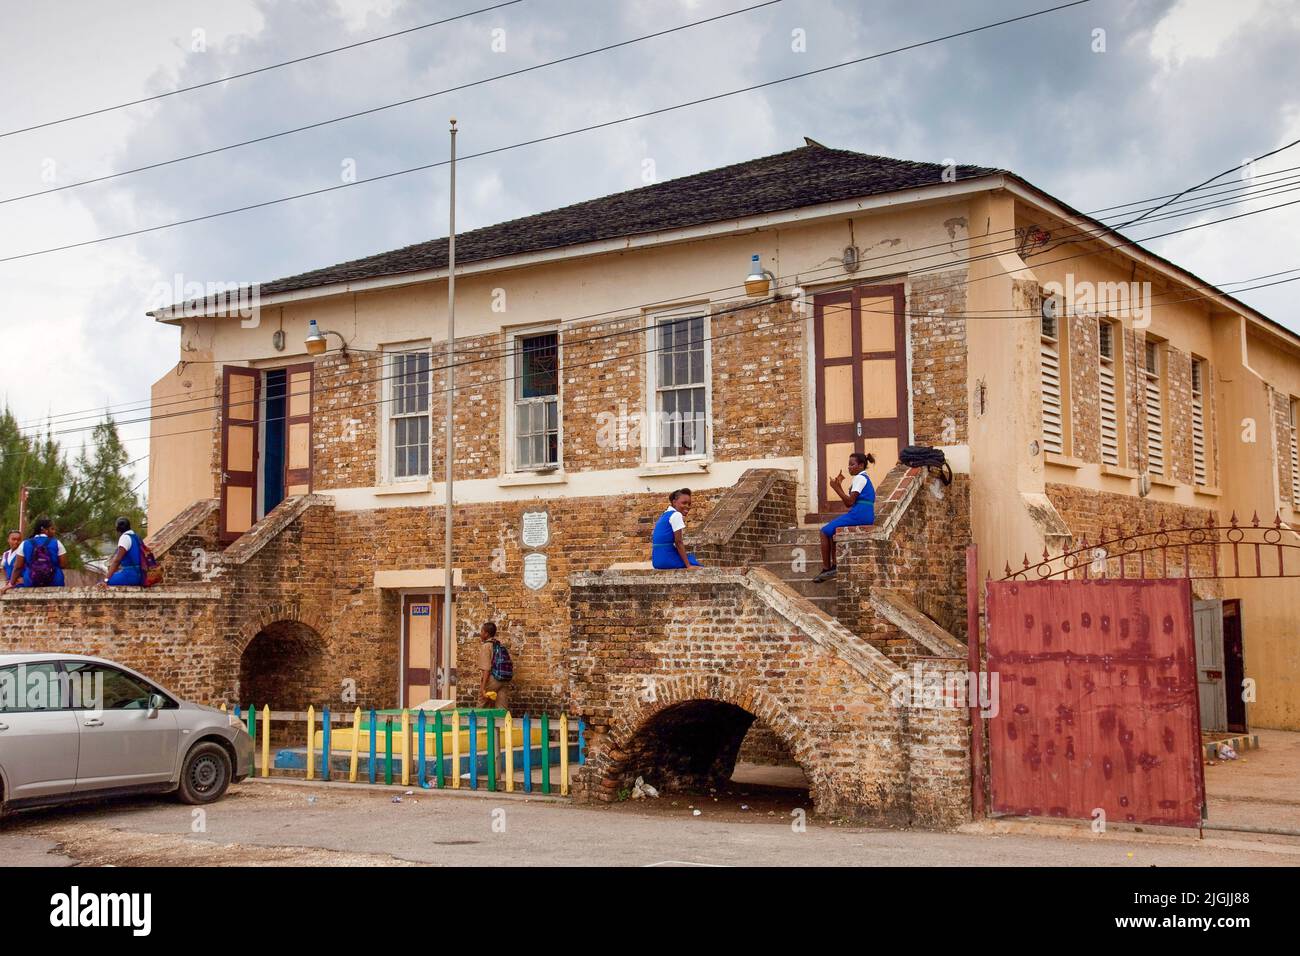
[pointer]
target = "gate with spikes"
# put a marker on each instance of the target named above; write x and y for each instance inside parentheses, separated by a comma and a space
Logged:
(1093, 656)
(1198, 552)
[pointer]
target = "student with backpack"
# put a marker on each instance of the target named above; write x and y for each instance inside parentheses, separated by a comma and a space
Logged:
(496, 668)
(126, 568)
(41, 561)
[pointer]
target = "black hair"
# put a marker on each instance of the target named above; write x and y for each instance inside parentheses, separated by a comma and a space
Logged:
(491, 627)
(123, 525)
(867, 459)
(673, 496)
(15, 531)
(42, 525)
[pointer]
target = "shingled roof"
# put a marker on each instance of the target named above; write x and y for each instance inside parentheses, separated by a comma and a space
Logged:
(801, 177)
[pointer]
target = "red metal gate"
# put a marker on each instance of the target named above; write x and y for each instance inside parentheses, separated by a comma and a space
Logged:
(1096, 700)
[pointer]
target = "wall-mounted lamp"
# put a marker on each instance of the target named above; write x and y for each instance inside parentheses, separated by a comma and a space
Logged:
(759, 281)
(317, 343)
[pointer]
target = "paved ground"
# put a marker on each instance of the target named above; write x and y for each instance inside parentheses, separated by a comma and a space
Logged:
(286, 823)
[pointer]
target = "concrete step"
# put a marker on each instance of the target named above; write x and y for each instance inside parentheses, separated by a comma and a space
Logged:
(806, 535)
(783, 569)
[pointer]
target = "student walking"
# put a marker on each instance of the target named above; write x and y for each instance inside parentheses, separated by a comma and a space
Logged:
(860, 500)
(41, 560)
(496, 669)
(667, 542)
(126, 568)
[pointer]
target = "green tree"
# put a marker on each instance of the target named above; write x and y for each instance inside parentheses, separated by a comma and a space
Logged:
(84, 498)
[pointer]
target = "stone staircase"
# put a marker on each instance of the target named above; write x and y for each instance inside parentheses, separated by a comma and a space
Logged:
(795, 558)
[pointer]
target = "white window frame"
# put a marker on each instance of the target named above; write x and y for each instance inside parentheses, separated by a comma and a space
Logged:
(513, 339)
(650, 418)
(387, 448)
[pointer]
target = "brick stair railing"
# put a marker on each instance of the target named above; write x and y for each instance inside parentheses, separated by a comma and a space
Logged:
(747, 517)
(181, 526)
(265, 531)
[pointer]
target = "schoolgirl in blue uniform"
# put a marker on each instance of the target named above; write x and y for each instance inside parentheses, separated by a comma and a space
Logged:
(861, 502)
(15, 548)
(667, 548)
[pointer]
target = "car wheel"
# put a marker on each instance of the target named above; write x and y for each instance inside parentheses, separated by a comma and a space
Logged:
(205, 775)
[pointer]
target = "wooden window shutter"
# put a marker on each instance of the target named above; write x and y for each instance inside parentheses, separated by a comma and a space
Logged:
(298, 418)
(239, 435)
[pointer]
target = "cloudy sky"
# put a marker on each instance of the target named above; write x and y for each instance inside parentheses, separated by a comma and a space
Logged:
(1182, 90)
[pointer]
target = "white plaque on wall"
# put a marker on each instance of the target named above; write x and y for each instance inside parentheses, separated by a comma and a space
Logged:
(535, 570)
(536, 530)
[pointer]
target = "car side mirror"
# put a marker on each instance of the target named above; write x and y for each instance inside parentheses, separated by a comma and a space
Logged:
(156, 702)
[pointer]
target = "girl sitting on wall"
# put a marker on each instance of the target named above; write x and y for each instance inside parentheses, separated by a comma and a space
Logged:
(861, 502)
(667, 547)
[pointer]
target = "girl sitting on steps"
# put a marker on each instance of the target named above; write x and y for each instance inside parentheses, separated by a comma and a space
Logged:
(861, 502)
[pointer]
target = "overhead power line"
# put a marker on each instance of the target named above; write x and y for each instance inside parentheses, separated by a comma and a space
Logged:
(385, 106)
(260, 69)
(544, 139)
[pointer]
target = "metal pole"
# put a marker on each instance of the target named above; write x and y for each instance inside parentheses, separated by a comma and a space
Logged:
(22, 512)
(449, 641)
(972, 685)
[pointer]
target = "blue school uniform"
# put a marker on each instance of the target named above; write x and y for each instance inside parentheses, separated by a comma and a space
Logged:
(663, 550)
(130, 572)
(863, 512)
(51, 545)
(11, 558)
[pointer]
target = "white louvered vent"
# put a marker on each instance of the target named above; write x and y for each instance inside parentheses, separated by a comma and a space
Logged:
(1295, 458)
(1154, 412)
(1050, 360)
(1198, 422)
(1109, 404)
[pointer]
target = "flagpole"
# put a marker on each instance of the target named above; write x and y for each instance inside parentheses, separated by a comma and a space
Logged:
(449, 642)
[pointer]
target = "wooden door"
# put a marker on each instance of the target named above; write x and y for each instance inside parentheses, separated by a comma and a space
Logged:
(861, 382)
(421, 659)
(297, 432)
(239, 425)
(1209, 666)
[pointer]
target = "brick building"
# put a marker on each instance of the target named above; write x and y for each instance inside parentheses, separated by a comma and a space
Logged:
(608, 352)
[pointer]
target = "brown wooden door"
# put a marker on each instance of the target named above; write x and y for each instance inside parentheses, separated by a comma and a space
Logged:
(297, 432)
(239, 426)
(421, 654)
(861, 382)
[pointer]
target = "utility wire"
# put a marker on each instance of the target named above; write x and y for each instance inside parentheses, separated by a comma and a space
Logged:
(262, 69)
(542, 139)
(489, 353)
(386, 106)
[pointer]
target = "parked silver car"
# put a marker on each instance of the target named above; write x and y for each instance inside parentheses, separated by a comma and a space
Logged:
(81, 728)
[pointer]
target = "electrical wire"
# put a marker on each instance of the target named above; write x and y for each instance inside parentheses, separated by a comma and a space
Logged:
(262, 69)
(541, 139)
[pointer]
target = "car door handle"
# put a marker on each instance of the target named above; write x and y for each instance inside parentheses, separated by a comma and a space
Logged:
(4, 726)
(92, 722)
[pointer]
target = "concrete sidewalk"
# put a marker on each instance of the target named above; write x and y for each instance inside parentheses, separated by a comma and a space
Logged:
(1261, 788)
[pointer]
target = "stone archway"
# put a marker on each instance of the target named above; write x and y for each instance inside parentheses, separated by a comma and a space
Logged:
(283, 665)
(687, 737)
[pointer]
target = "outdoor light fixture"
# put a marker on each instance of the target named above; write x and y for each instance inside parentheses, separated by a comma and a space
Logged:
(759, 281)
(316, 340)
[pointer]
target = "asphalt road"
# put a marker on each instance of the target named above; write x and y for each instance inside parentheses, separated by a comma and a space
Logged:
(284, 824)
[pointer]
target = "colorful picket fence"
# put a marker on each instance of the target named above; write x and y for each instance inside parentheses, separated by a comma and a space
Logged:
(439, 749)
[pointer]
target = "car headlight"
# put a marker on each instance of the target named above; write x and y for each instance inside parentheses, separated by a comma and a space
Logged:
(236, 721)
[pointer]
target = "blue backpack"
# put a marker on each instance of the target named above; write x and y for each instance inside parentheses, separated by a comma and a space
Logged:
(43, 565)
(503, 668)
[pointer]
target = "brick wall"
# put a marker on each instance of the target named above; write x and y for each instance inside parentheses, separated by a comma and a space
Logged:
(1100, 516)
(937, 330)
(169, 634)
(746, 517)
(917, 546)
(672, 668)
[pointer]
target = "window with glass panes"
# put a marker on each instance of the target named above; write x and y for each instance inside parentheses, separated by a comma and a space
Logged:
(408, 414)
(537, 392)
(681, 391)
